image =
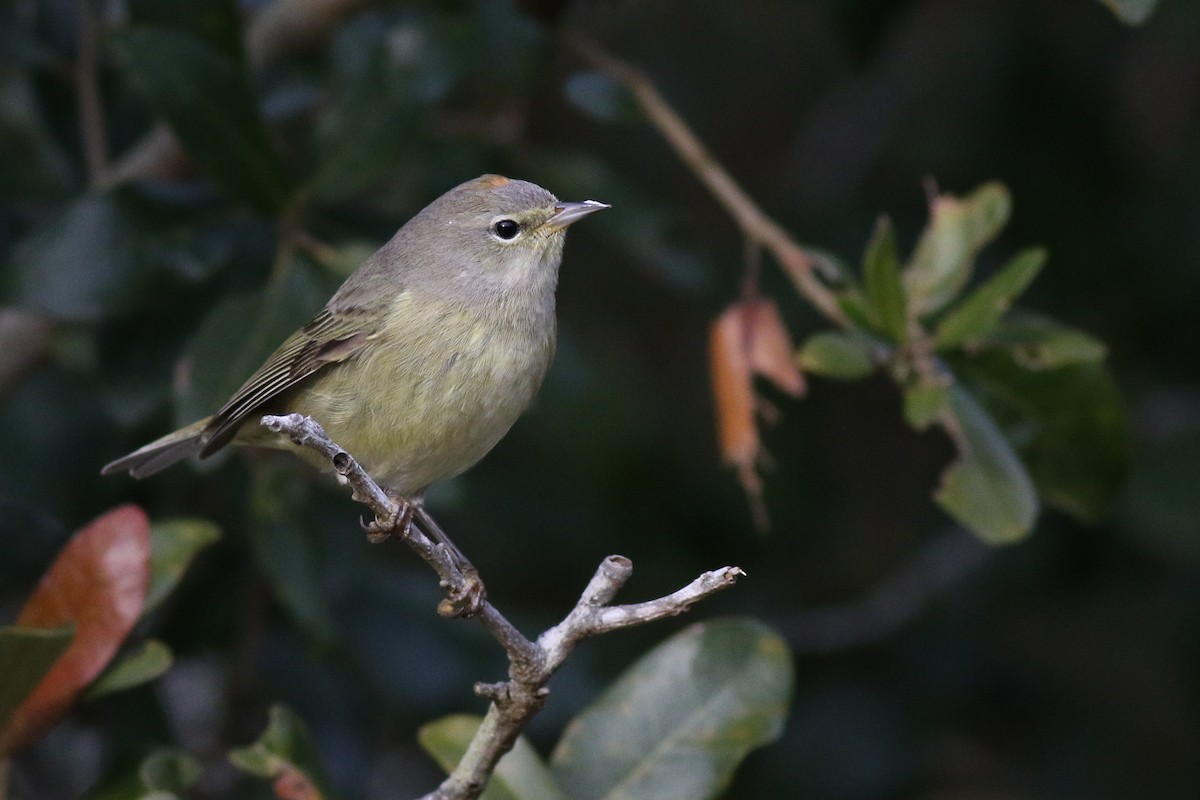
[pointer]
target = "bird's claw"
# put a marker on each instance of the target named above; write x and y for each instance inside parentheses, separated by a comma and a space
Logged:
(398, 523)
(465, 600)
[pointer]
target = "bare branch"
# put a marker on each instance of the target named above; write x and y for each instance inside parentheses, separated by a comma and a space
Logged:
(531, 665)
(756, 226)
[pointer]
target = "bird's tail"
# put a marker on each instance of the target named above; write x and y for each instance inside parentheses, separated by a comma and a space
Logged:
(161, 453)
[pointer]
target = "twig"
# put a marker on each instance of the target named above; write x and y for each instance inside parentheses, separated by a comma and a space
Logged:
(87, 92)
(756, 226)
(531, 665)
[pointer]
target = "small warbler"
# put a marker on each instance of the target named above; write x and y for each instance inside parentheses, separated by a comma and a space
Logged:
(426, 355)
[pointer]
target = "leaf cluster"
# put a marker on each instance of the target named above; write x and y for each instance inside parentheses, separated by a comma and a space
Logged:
(1033, 413)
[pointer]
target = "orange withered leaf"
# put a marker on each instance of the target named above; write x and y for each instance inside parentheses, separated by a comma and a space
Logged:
(748, 339)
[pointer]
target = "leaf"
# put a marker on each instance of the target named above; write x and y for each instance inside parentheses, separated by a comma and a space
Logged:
(81, 265)
(837, 355)
(26, 655)
(678, 722)
(173, 545)
(881, 283)
(1041, 343)
(1070, 427)
(942, 262)
(163, 774)
(854, 306)
(285, 754)
(98, 582)
(521, 773)
(1131, 12)
(748, 339)
(979, 313)
(143, 665)
(205, 96)
(925, 402)
(986, 488)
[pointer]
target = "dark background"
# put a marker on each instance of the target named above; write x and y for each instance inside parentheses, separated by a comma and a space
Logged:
(1065, 666)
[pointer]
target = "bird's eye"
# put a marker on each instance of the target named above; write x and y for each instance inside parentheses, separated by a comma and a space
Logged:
(506, 228)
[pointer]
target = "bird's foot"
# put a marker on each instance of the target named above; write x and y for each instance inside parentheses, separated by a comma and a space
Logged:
(398, 523)
(466, 599)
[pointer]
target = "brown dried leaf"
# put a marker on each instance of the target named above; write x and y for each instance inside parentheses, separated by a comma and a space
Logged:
(98, 582)
(771, 348)
(733, 391)
(748, 339)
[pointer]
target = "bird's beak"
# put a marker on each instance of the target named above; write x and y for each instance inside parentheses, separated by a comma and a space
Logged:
(566, 213)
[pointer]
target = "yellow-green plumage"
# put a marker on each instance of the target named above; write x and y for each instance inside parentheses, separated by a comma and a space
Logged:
(427, 354)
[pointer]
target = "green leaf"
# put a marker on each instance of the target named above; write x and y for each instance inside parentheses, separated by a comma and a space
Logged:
(163, 774)
(944, 256)
(925, 402)
(986, 488)
(520, 775)
(1070, 427)
(26, 656)
(681, 719)
(979, 313)
(133, 669)
(1131, 12)
(205, 96)
(1041, 343)
(81, 265)
(854, 306)
(881, 283)
(835, 354)
(173, 545)
(285, 751)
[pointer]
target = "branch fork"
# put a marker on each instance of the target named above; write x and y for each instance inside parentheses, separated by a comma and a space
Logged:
(514, 702)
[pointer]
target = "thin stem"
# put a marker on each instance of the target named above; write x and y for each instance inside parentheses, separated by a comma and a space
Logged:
(87, 92)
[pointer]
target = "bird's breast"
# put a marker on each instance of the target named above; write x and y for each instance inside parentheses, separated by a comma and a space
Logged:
(436, 389)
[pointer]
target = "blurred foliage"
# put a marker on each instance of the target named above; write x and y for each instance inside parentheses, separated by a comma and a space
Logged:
(1061, 666)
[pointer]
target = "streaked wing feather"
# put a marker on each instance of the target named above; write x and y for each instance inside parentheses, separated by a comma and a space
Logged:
(304, 353)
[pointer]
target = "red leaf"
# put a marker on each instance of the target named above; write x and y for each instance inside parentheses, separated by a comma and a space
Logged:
(98, 582)
(292, 784)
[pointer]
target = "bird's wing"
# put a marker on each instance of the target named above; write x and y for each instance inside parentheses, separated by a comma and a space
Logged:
(331, 337)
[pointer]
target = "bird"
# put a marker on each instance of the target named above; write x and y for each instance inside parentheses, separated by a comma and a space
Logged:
(425, 356)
